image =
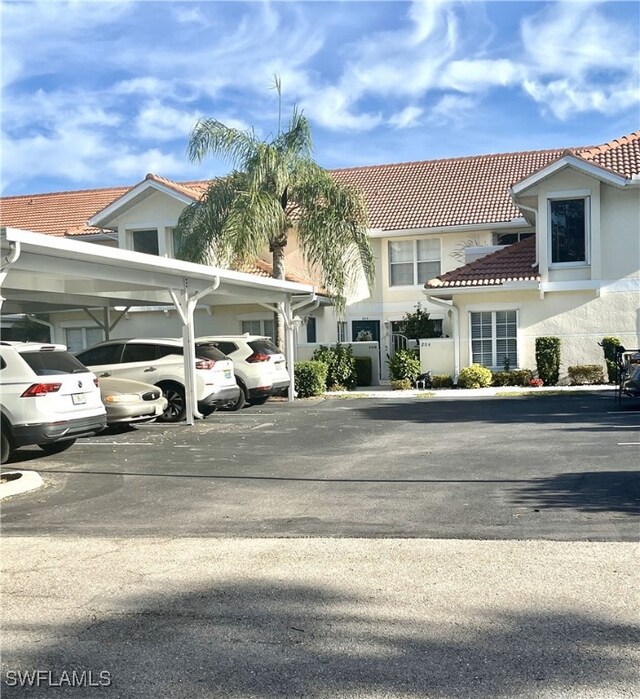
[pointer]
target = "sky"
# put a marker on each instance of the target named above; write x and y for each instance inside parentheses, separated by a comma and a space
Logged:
(98, 94)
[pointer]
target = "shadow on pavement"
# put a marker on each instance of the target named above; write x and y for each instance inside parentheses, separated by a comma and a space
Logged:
(603, 491)
(277, 640)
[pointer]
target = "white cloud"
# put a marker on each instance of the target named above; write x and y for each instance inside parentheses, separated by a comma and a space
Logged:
(158, 121)
(409, 116)
(452, 109)
(479, 75)
(332, 108)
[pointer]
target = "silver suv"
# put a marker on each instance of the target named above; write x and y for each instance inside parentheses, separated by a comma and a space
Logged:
(260, 367)
(160, 362)
(47, 398)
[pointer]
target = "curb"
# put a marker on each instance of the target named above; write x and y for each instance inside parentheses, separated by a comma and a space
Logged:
(25, 481)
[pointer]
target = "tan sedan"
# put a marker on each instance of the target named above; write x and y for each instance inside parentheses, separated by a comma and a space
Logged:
(131, 401)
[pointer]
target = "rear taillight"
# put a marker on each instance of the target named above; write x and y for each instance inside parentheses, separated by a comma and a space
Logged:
(40, 389)
(258, 357)
(205, 363)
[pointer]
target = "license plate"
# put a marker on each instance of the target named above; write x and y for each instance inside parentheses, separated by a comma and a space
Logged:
(159, 410)
(227, 374)
(79, 398)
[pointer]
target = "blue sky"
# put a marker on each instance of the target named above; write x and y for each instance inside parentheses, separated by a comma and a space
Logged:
(97, 94)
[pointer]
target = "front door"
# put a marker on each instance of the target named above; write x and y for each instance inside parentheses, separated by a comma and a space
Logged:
(370, 326)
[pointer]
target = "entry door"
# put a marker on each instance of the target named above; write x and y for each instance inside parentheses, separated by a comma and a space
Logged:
(372, 326)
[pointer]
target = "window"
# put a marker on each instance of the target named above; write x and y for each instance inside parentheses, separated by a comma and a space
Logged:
(568, 218)
(311, 329)
(78, 339)
(494, 338)
(413, 262)
(509, 238)
(258, 327)
(341, 331)
(105, 354)
(134, 352)
(146, 241)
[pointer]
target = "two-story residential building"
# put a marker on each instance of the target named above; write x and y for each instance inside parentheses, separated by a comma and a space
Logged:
(427, 219)
(577, 278)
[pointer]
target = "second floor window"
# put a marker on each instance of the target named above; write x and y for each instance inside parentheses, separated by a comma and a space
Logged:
(146, 241)
(568, 219)
(413, 262)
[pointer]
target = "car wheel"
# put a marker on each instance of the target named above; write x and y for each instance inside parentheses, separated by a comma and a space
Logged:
(176, 403)
(241, 401)
(6, 446)
(57, 447)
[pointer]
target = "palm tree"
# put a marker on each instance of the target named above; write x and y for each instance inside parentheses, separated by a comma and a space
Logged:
(275, 187)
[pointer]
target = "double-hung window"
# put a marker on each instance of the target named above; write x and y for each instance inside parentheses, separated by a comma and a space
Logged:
(494, 338)
(413, 262)
(78, 339)
(569, 229)
(258, 327)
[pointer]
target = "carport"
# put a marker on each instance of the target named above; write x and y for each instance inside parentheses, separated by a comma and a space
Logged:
(40, 273)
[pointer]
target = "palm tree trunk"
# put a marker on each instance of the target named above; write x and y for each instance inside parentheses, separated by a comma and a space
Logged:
(278, 273)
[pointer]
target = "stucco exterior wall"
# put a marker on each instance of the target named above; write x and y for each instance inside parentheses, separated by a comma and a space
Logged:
(620, 223)
(579, 319)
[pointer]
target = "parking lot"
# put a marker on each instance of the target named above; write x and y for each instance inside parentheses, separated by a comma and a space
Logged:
(547, 467)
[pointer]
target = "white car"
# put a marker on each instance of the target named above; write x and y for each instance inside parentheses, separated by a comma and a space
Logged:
(48, 398)
(260, 367)
(159, 361)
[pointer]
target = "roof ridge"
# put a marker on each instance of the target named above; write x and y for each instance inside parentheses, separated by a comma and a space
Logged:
(66, 191)
(615, 143)
(459, 158)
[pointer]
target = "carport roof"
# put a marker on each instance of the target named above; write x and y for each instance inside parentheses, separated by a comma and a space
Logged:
(42, 273)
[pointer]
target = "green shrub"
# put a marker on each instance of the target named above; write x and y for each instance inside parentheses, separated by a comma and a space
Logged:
(475, 376)
(517, 377)
(310, 378)
(400, 384)
(404, 365)
(609, 345)
(441, 381)
(364, 371)
(548, 359)
(341, 364)
(586, 374)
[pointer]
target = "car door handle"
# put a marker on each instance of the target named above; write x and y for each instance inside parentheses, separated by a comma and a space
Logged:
(106, 373)
(150, 368)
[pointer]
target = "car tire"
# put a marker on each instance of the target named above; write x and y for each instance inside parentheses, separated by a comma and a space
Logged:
(6, 448)
(177, 403)
(241, 401)
(57, 447)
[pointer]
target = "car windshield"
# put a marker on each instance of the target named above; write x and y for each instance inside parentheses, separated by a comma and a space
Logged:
(208, 350)
(48, 363)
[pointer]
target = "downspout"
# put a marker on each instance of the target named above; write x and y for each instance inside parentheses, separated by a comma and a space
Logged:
(455, 323)
(533, 211)
(7, 261)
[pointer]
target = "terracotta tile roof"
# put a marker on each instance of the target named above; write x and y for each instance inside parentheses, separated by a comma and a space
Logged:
(57, 213)
(186, 188)
(514, 263)
(621, 156)
(441, 193)
(261, 268)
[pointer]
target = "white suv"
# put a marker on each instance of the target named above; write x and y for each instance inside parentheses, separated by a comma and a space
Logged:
(47, 398)
(260, 367)
(160, 362)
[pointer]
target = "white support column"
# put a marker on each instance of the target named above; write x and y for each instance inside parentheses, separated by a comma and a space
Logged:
(185, 306)
(289, 347)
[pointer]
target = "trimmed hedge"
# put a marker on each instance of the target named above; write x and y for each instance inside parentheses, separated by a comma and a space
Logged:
(586, 374)
(609, 345)
(400, 384)
(341, 365)
(364, 371)
(475, 376)
(310, 378)
(441, 381)
(404, 364)
(517, 377)
(548, 359)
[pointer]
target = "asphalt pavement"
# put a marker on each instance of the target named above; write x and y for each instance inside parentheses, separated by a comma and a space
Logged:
(483, 548)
